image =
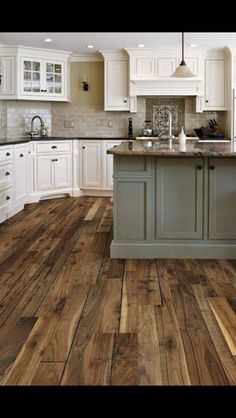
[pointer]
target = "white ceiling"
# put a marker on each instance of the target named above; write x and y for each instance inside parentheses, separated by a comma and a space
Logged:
(76, 42)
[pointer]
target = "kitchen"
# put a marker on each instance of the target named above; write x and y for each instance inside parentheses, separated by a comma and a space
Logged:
(83, 303)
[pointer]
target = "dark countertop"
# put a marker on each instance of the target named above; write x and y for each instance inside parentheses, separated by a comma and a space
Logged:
(191, 149)
(20, 140)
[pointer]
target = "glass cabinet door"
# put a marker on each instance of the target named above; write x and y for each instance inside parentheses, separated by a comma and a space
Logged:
(31, 76)
(53, 78)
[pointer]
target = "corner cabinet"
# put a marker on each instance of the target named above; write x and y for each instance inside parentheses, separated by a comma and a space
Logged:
(116, 86)
(34, 74)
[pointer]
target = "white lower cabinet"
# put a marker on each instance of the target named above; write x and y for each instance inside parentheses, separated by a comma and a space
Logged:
(53, 172)
(62, 171)
(44, 172)
(21, 152)
(96, 165)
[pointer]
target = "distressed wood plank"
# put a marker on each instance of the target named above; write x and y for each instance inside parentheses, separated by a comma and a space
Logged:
(226, 319)
(48, 374)
(125, 360)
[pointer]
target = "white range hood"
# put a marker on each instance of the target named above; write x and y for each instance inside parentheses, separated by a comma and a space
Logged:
(166, 86)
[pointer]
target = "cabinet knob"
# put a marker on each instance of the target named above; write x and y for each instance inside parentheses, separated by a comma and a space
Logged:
(8, 154)
(7, 173)
(199, 167)
(42, 90)
(54, 146)
(21, 155)
(83, 147)
(206, 101)
(125, 101)
(0, 80)
(56, 159)
(211, 167)
(8, 198)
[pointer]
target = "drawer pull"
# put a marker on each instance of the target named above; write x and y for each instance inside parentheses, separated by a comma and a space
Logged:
(211, 167)
(21, 155)
(199, 167)
(7, 173)
(8, 198)
(8, 154)
(54, 146)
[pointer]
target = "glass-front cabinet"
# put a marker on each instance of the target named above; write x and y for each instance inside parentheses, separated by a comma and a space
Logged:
(42, 78)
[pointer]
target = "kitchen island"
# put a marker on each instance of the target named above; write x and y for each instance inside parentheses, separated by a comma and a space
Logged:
(173, 201)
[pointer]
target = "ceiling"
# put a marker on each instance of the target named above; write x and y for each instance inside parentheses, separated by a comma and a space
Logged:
(77, 42)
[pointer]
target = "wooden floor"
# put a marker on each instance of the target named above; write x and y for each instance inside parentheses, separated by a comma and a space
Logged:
(70, 315)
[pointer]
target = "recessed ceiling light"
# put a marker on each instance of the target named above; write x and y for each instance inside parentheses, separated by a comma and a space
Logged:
(90, 46)
(193, 45)
(48, 40)
(141, 45)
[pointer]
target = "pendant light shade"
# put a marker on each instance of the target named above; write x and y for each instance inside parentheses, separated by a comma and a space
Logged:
(183, 71)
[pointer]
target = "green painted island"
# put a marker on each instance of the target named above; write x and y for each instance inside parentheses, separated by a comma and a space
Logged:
(172, 201)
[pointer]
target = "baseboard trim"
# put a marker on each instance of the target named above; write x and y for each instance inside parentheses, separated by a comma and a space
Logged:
(163, 250)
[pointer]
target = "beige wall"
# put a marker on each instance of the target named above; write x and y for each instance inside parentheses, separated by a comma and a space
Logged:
(94, 73)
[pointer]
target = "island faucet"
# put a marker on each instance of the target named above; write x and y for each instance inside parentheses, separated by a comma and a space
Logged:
(35, 131)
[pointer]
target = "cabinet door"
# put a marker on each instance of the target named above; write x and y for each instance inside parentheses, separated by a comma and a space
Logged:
(215, 85)
(91, 164)
(145, 68)
(7, 76)
(222, 199)
(45, 172)
(31, 77)
(116, 85)
(20, 167)
(62, 171)
(54, 75)
(109, 164)
(179, 198)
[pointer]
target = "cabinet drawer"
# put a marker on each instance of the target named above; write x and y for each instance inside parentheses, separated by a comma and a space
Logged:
(6, 176)
(53, 147)
(6, 200)
(6, 153)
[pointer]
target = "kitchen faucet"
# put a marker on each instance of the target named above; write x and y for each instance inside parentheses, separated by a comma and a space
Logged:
(35, 131)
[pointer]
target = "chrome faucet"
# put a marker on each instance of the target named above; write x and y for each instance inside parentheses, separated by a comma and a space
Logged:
(35, 131)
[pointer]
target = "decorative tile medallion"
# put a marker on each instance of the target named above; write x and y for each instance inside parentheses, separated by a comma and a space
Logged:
(157, 111)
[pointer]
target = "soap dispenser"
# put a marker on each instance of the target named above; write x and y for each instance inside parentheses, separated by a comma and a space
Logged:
(182, 137)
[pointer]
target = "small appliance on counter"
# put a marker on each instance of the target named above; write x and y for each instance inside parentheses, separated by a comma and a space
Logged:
(147, 129)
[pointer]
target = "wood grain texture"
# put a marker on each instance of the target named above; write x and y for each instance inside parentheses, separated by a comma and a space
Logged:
(48, 374)
(70, 315)
(226, 319)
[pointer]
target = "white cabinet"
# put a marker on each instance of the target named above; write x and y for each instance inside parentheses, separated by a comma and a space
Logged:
(21, 152)
(51, 168)
(146, 67)
(109, 164)
(91, 164)
(44, 172)
(97, 165)
(34, 74)
(7, 77)
(42, 78)
(215, 84)
(116, 86)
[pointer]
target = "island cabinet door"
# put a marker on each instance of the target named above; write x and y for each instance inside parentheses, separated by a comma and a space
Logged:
(179, 198)
(222, 198)
(132, 203)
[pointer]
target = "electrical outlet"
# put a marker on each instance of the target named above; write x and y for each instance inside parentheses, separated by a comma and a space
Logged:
(110, 124)
(69, 124)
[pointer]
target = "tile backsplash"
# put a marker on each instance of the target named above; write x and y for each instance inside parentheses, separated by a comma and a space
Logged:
(68, 119)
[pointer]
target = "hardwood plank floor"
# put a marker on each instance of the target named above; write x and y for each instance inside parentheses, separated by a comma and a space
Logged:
(70, 315)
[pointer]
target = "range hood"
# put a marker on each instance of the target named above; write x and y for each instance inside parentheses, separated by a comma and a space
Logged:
(166, 86)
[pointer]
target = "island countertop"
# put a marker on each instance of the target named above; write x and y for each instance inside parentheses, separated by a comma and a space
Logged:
(163, 149)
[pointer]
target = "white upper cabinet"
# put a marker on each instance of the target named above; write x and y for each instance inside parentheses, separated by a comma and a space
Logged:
(166, 66)
(116, 91)
(215, 84)
(34, 74)
(146, 67)
(42, 78)
(7, 77)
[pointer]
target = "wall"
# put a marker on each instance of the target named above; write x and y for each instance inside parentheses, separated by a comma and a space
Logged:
(84, 115)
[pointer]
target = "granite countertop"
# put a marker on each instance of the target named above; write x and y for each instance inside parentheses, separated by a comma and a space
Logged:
(11, 141)
(191, 149)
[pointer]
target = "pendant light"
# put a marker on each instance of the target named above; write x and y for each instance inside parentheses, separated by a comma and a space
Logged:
(183, 71)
